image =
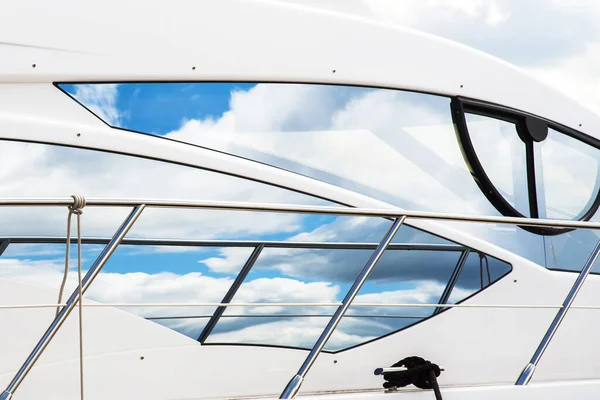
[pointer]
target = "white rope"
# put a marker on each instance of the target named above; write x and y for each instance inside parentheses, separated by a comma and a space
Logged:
(75, 209)
(78, 204)
(67, 256)
(408, 305)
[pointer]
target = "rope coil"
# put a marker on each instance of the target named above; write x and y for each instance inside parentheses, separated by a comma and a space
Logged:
(78, 204)
(419, 372)
(75, 209)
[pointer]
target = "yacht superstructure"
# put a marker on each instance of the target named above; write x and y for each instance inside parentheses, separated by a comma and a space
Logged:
(341, 194)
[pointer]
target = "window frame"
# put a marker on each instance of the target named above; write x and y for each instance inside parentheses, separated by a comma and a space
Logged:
(460, 106)
(444, 299)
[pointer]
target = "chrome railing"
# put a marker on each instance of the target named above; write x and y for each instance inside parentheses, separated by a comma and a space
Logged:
(71, 302)
(398, 217)
(527, 373)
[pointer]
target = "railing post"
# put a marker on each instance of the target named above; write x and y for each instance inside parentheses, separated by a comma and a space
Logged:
(231, 292)
(453, 279)
(71, 302)
(294, 384)
(529, 369)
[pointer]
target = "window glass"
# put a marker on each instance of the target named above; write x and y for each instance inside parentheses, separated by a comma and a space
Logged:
(567, 184)
(567, 176)
(502, 154)
(478, 272)
(403, 275)
(395, 146)
(156, 273)
(139, 274)
(571, 250)
(391, 145)
(39, 170)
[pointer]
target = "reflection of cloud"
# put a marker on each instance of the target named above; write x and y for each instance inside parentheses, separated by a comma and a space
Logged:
(96, 174)
(395, 266)
(101, 99)
(299, 332)
(417, 158)
(394, 146)
(303, 332)
(33, 250)
(169, 287)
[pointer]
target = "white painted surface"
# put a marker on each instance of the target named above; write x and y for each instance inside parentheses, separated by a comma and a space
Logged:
(249, 40)
(476, 346)
(264, 40)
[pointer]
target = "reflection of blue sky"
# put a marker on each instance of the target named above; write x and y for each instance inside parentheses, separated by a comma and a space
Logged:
(160, 109)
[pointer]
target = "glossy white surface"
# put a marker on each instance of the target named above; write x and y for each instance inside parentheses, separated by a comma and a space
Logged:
(271, 41)
(258, 40)
(476, 346)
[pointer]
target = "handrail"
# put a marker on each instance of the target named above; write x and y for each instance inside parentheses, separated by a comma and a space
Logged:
(62, 315)
(296, 382)
(301, 209)
(230, 293)
(383, 305)
(397, 215)
(152, 318)
(237, 243)
(529, 369)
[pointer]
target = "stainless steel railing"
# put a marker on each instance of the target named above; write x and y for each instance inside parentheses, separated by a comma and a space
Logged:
(301, 209)
(398, 217)
(71, 302)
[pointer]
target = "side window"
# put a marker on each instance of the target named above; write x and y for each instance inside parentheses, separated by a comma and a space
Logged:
(416, 269)
(39, 170)
(391, 145)
(195, 256)
(502, 155)
(476, 273)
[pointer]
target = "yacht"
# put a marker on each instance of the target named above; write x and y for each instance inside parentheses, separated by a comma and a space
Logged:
(271, 199)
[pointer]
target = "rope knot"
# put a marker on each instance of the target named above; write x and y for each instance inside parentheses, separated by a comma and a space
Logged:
(420, 372)
(78, 204)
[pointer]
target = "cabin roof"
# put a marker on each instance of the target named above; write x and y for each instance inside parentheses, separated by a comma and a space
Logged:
(258, 40)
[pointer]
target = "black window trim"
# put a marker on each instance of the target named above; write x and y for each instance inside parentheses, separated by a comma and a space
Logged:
(460, 106)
